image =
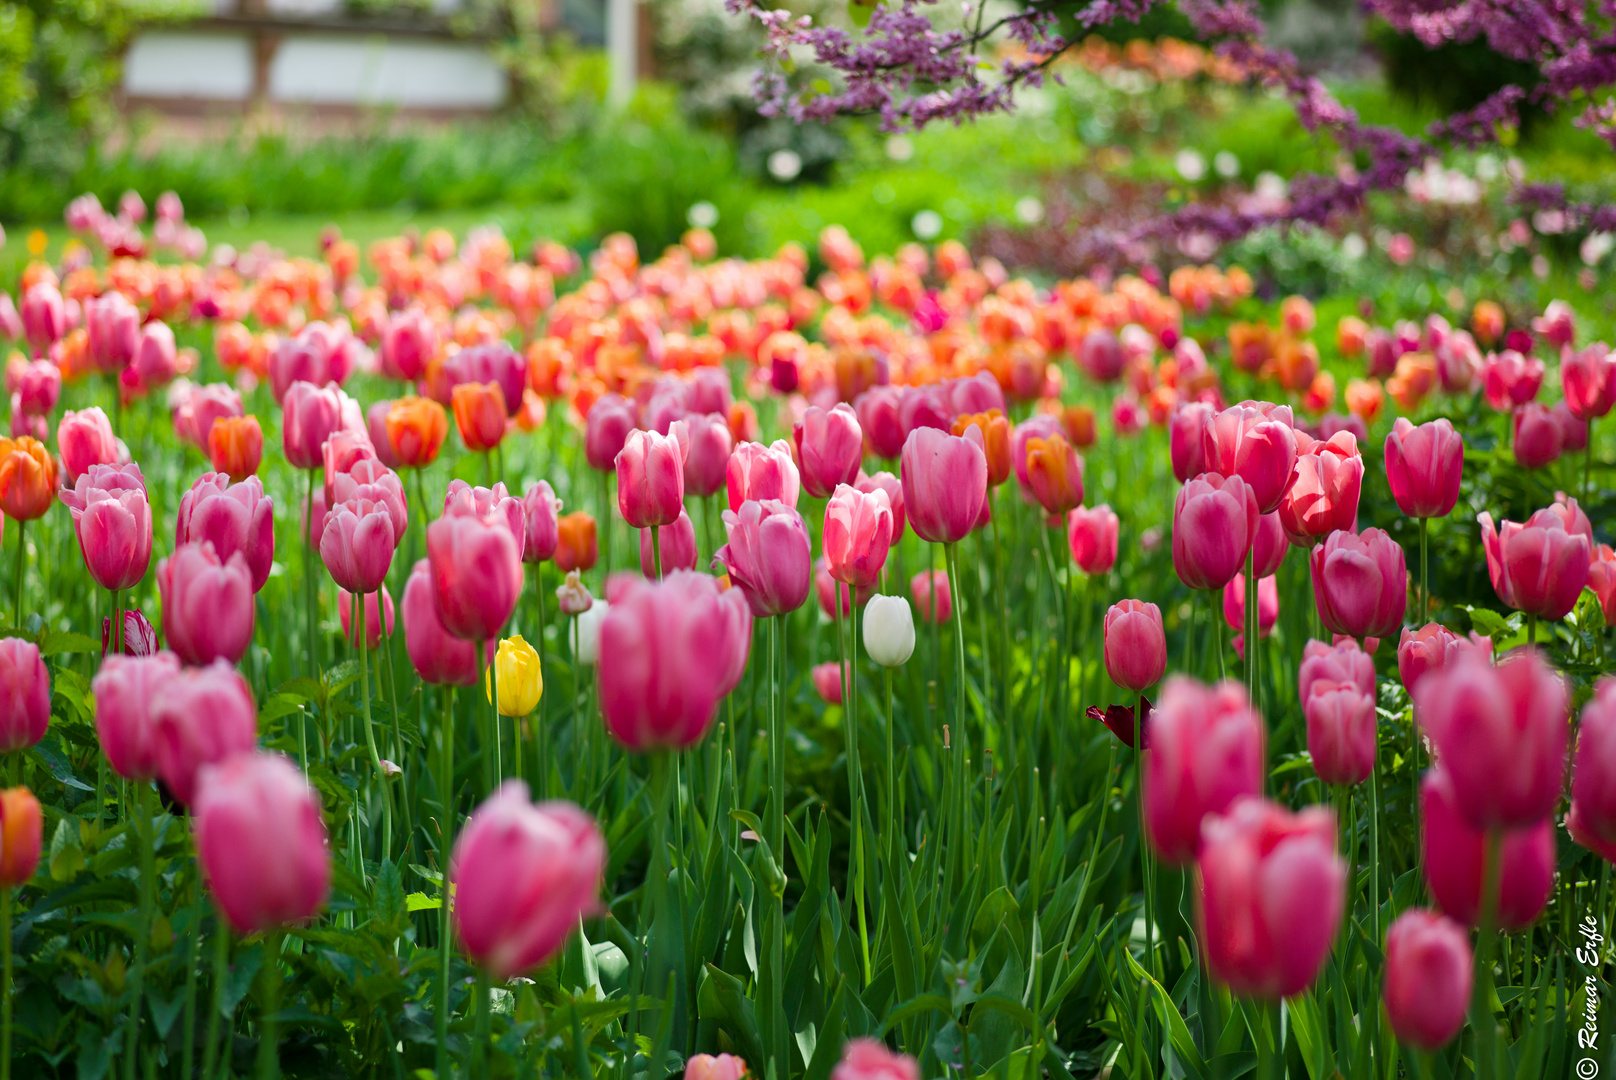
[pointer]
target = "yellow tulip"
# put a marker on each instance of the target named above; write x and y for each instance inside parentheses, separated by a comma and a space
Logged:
(521, 683)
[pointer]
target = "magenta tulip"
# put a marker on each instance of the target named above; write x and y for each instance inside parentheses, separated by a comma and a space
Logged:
(1342, 662)
(207, 604)
(1540, 567)
(1431, 648)
(25, 695)
(1135, 645)
(1360, 583)
(495, 502)
(437, 656)
(858, 532)
(1538, 437)
(1206, 751)
(321, 354)
(1323, 496)
(114, 525)
(768, 556)
(84, 439)
(869, 1059)
(707, 456)
(408, 342)
(1592, 820)
(678, 543)
(1340, 731)
(309, 416)
(1269, 546)
(878, 417)
(1092, 537)
(1510, 379)
(945, 483)
(1187, 431)
(827, 680)
(829, 448)
(203, 715)
(759, 473)
(126, 691)
(651, 477)
(44, 316)
(233, 518)
(357, 545)
(541, 516)
(1453, 852)
(1256, 442)
(606, 429)
(37, 386)
(476, 572)
(1234, 608)
(1214, 520)
(112, 330)
(885, 481)
(1588, 377)
(1428, 979)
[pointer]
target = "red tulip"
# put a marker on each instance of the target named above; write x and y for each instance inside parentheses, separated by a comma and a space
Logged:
(22, 836)
(1323, 497)
(945, 483)
(651, 477)
(233, 517)
(85, 439)
(261, 842)
(1092, 537)
(1431, 648)
(934, 600)
(877, 411)
(1592, 820)
(1428, 980)
(114, 525)
(523, 876)
(437, 657)
(1540, 567)
(606, 428)
(476, 566)
(758, 473)
(829, 448)
(1206, 751)
(541, 523)
(373, 615)
(858, 532)
(667, 649)
(678, 542)
(768, 556)
(1360, 583)
(202, 715)
(207, 603)
(1135, 645)
(1588, 376)
(1272, 889)
(1452, 852)
(309, 416)
(1500, 733)
(1256, 442)
(707, 457)
(25, 695)
(1214, 520)
(1341, 731)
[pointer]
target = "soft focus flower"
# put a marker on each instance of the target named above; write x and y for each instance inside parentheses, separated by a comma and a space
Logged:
(22, 835)
(203, 715)
(521, 682)
(572, 596)
(1540, 567)
(236, 446)
(1588, 377)
(1592, 820)
(708, 1067)
(1188, 430)
(827, 680)
(868, 1059)
(1428, 978)
(1341, 725)
(1360, 583)
(576, 545)
(476, 573)
(933, 598)
(1135, 645)
(707, 453)
(1054, 474)
(677, 543)
(768, 557)
(1343, 662)
(416, 429)
(606, 428)
(1206, 751)
(114, 524)
(889, 630)
(1092, 537)
(1431, 648)
(84, 439)
(437, 656)
(945, 479)
(1234, 608)
(1214, 519)
(1510, 379)
(309, 416)
(995, 432)
(541, 523)
(27, 478)
(207, 603)
(25, 695)
(1452, 852)
(1538, 436)
(480, 415)
(233, 517)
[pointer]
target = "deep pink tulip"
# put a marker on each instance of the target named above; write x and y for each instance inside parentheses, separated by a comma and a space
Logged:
(1187, 431)
(1206, 751)
(1099, 354)
(1234, 608)
(1573, 432)
(1592, 820)
(523, 876)
(858, 532)
(1323, 496)
(321, 353)
(707, 456)
(1341, 662)
(476, 569)
(37, 385)
(309, 416)
(437, 656)
(44, 316)
(139, 635)
(945, 483)
(198, 407)
(1510, 379)
(1431, 648)
(113, 521)
(1255, 441)
(25, 695)
(1538, 436)
(541, 515)
(934, 600)
(1214, 520)
(1036, 426)
(885, 481)
(923, 407)
(207, 603)
(1272, 893)
(678, 543)
(1360, 583)
(606, 429)
(827, 680)
(767, 556)
(10, 321)
(710, 391)
(203, 715)
(829, 448)
(1588, 377)
(495, 502)
(1428, 980)
(1500, 733)
(112, 326)
(1269, 546)
(408, 342)
(651, 477)
(1135, 645)
(1570, 515)
(1092, 537)
(376, 432)
(371, 480)
(233, 518)
(828, 590)
(1341, 731)
(757, 473)
(126, 691)
(661, 647)
(156, 361)
(373, 615)
(357, 545)
(261, 842)
(494, 362)
(84, 439)
(1557, 325)
(869, 1059)
(1453, 852)
(977, 393)
(877, 411)
(1540, 567)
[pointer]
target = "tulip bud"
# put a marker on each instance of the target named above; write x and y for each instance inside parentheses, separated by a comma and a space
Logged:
(829, 448)
(207, 604)
(708, 1067)
(651, 477)
(1135, 645)
(827, 680)
(233, 517)
(22, 835)
(25, 695)
(933, 598)
(889, 630)
(84, 439)
(572, 596)
(945, 480)
(1592, 820)
(759, 473)
(476, 572)
(606, 428)
(1341, 726)
(1360, 583)
(1206, 751)
(1453, 852)
(521, 682)
(236, 446)
(857, 535)
(1428, 978)
(1214, 520)
(1540, 567)
(416, 429)
(203, 715)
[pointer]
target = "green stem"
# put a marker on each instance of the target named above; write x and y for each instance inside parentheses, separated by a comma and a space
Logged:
(855, 777)
(541, 731)
(192, 941)
(962, 744)
(777, 1050)
(1481, 1004)
(269, 1058)
(479, 1045)
(221, 967)
(370, 732)
(1144, 848)
(143, 828)
(656, 550)
(308, 574)
(16, 612)
(445, 927)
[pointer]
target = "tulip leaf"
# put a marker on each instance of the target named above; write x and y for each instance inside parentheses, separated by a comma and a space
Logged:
(56, 642)
(49, 752)
(1178, 1033)
(417, 901)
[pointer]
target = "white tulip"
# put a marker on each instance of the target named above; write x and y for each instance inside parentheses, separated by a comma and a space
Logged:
(889, 630)
(586, 639)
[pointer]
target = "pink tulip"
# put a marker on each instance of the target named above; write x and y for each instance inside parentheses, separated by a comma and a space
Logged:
(758, 473)
(1272, 889)
(376, 432)
(606, 429)
(1187, 431)
(112, 326)
(309, 416)
(523, 876)
(1234, 608)
(25, 695)
(1340, 731)
(1592, 820)
(710, 391)
(869, 1059)
(203, 715)
(126, 692)
(1269, 546)
(829, 448)
(1323, 497)
(651, 477)
(885, 481)
(321, 354)
(408, 342)
(1092, 537)
(945, 483)
(84, 439)
(1428, 979)
(707, 458)
(373, 615)
(342, 452)
(1135, 645)
(1500, 733)
(1557, 325)
(495, 502)
(1540, 567)
(1036, 426)
(437, 657)
(197, 407)
(369, 479)
(476, 573)
(923, 407)
(827, 680)
(934, 600)
(662, 645)
(541, 515)
(44, 316)
(1214, 520)
(1206, 751)
(857, 534)
(1565, 509)
(233, 518)
(493, 362)
(357, 545)
(1431, 648)
(678, 542)
(1453, 852)
(877, 411)
(1573, 432)
(139, 635)
(709, 1067)
(1510, 379)
(1360, 583)
(113, 522)
(1588, 377)
(207, 603)
(1256, 442)
(1343, 663)
(768, 556)
(156, 361)
(37, 385)
(1099, 354)
(829, 590)
(10, 320)
(261, 842)
(1538, 436)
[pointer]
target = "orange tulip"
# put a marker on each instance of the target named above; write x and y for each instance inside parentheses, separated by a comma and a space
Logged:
(995, 440)
(479, 410)
(21, 836)
(236, 445)
(416, 428)
(1055, 474)
(1487, 320)
(1078, 421)
(576, 547)
(27, 478)
(1365, 398)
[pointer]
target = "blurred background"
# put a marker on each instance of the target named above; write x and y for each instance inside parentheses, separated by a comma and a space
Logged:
(568, 119)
